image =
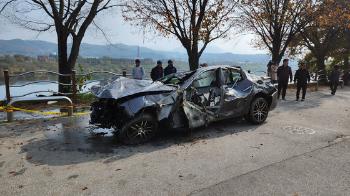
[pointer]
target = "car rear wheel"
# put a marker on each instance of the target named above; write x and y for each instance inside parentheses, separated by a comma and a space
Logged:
(259, 111)
(139, 130)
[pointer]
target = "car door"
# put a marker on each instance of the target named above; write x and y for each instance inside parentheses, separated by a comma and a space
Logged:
(236, 92)
(203, 98)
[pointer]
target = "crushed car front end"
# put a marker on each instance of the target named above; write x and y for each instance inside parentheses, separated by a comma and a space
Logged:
(108, 113)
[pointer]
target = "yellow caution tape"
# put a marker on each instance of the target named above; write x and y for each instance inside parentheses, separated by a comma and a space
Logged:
(11, 109)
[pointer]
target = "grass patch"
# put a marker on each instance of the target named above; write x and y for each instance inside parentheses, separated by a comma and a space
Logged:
(86, 99)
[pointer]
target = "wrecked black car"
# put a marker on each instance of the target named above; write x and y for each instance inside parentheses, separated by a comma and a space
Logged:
(136, 108)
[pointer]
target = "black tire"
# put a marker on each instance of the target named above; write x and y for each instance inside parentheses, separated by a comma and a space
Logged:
(259, 110)
(139, 130)
(247, 117)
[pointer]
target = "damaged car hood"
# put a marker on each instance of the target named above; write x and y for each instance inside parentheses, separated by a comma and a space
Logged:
(124, 87)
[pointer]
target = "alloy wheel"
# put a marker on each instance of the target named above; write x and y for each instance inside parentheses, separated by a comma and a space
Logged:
(141, 131)
(260, 110)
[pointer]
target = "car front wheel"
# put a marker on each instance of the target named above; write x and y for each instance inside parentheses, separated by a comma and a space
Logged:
(259, 111)
(139, 130)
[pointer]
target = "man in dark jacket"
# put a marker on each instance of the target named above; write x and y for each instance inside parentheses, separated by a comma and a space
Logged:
(283, 73)
(301, 77)
(170, 69)
(157, 71)
(346, 77)
(334, 79)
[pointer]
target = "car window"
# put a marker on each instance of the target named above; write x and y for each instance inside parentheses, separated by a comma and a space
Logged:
(205, 79)
(177, 78)
(232, 76)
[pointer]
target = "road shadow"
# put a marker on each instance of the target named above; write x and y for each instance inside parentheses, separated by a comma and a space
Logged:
(313, 100)
(71, 142)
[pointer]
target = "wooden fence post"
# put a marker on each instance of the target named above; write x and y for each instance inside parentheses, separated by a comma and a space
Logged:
(8, 95)
(74, 87)
(7, 85)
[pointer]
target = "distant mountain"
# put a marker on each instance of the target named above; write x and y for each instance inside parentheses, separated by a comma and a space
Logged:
(34, 48)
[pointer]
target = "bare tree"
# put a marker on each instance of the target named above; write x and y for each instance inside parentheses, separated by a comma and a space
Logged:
(69, 18)
(195, 23)
(275, 22)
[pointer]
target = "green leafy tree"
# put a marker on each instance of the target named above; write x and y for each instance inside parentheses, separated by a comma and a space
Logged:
(275, 22)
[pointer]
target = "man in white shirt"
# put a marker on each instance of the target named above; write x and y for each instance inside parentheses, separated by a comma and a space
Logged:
(138, 72)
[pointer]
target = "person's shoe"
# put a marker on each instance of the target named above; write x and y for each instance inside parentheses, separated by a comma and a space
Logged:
(302, 99)
(297, 99)
(283, 99)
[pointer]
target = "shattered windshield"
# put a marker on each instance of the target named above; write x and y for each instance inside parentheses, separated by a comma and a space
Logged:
(177, 78)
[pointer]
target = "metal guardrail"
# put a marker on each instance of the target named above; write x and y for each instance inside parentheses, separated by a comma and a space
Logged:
(64, 96)
(39, 71)
(73, 77)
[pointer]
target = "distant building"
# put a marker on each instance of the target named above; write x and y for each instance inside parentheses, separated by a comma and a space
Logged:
(21, 58)
(53, 56)
(43, 58)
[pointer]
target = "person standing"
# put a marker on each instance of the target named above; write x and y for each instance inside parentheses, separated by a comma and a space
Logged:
(138, 72)
(334, 79)
(170, 69)
(269, 64)
(346, 77)
(273, 72)
(157, 71)
(283, 73)
(301, 77)
(204, 65)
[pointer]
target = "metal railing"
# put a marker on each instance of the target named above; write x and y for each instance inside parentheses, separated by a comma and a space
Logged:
(73, 82)
(73, 87)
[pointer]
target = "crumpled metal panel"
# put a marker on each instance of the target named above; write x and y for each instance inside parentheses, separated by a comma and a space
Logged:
(196, 117)
(124, 87)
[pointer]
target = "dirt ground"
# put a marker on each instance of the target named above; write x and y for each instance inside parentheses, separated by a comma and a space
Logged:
(302, 149)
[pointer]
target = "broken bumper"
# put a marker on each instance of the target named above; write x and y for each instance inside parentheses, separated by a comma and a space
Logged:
(107, 114)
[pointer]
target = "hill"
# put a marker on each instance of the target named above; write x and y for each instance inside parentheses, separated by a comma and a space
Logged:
(34, 48)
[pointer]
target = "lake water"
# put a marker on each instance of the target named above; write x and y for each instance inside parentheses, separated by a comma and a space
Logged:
(17, 91)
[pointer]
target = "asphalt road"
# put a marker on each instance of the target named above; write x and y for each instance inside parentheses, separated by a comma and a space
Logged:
(302, 149)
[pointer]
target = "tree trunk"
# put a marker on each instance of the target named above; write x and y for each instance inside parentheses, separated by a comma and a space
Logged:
(193, 60)
(193, 56)
(63, 66)
(74, 53)
(276, 55)
(276, 58)
(321, 68)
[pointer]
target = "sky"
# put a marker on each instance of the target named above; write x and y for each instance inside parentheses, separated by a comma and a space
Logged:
(118, 31)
